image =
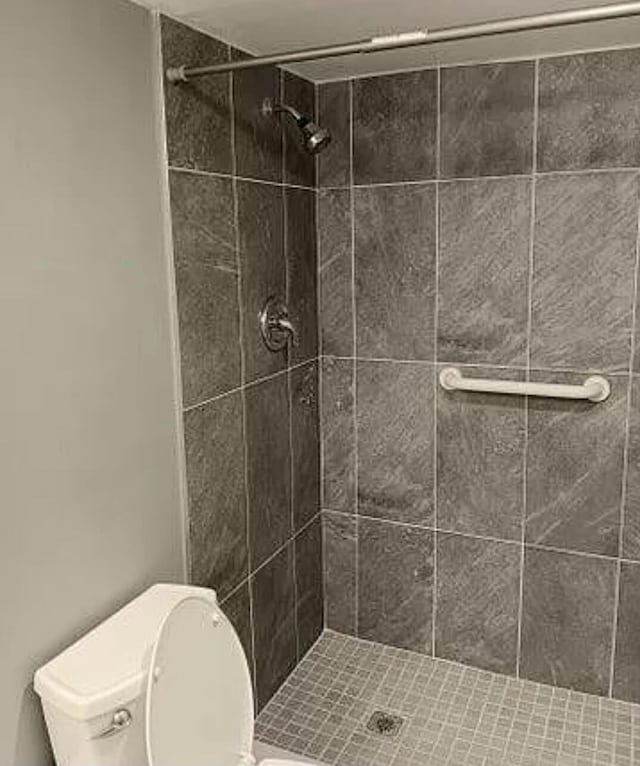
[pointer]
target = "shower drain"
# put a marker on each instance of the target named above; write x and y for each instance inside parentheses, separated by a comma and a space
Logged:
(386, 724)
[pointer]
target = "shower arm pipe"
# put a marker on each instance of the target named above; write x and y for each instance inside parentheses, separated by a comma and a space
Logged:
(413, 39)
(594, 389)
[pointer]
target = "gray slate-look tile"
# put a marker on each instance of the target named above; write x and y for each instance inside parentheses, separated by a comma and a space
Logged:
(336, 272)
(631, 528)
(584, 258)
(207, 296)
(567, 620)
(308, 551)
(237, 607)
(589, 111)
(395, 580)
(574, 468)
(486, 123)
(339, 549)
(338, 435)
(257, 136)
(215, 484)
(274, 620)
(198, 113)
(299, 165)
(481, 459)
(305, 445)
(334, 113)
(302, 270)
(268, 467)
(395, 441)
(394, 127)
(483, 271)
(262, 263)
(626, 675)
(395, 237)
(477, 602)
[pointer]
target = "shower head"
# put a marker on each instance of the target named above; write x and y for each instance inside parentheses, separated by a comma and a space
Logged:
(314, 138)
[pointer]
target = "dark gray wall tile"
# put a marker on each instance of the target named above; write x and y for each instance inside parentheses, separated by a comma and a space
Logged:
(589, 111)
(299, 165)
(394, 127)
(334, 113)
(202, 219)
(631, 528)
(237, 608)
(305, 443)
(574, 468)
(258, 137)
(477, 602)
(584, 257)
(626, 674)
(208, 323)
(207, 296)
(395, 271)
(483, 271)
(198, 116)
(336, 269)
(338, 435)
(567, 620)
(481, 459)
(395, 441)
(274, 623)
(395, 580)
(308, 550)
(268, 467)
(486, 120)
(262, 263)
(339, 551)
(215, 482)
(302, 271)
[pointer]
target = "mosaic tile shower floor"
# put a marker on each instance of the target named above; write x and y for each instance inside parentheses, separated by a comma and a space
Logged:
(452, 715)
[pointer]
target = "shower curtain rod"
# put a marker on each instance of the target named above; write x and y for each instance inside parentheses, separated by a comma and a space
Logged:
(411, 39)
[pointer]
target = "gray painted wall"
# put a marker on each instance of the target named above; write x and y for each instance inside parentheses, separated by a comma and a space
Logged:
(89, 479)
(487, 217)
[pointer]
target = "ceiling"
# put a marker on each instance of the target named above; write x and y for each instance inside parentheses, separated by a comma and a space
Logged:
(269, 26)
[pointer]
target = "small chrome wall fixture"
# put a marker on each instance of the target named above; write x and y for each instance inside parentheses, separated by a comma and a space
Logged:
(275, 326)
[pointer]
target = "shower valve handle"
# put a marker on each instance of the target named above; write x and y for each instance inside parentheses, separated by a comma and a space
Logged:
(275, 326)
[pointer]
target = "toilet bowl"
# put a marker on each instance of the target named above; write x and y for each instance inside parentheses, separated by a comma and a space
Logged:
(163, 682)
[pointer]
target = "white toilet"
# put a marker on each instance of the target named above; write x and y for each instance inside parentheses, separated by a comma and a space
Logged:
(163, 682)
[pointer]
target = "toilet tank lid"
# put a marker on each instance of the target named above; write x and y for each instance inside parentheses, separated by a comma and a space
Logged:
(108, 666)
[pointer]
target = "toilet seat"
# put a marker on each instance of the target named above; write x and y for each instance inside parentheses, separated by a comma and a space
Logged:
(199, 699)
(199, 709)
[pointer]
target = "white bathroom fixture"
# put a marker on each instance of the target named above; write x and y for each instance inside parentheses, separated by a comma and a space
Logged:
(594, 389)
(163, 682)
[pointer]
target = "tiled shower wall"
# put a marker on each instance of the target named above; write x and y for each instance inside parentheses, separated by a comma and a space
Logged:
(243, 221)
(484, 216)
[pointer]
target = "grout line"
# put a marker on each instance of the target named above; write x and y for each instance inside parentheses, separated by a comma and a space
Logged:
(174, 325)
(244, 179)
(480, 365)
(287, 289)
(250, 384)
(354, 371)
(242, 389)
(631, 169)
(434, 587)
(625, 463)
(530, 273)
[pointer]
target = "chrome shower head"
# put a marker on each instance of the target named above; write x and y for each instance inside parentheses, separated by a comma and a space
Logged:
(314, 138)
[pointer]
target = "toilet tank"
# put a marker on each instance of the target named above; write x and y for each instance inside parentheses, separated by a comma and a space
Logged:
(93, 693)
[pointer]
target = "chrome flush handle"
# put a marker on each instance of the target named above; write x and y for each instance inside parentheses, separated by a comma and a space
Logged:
(121, 719)
(275, 326)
